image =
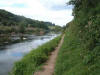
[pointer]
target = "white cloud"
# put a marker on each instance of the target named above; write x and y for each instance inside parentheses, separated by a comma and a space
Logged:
(40, 10)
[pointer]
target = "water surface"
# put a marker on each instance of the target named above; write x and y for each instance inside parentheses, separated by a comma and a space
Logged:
(14, 52)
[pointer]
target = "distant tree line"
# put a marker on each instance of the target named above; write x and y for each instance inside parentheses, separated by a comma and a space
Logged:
(10, 22)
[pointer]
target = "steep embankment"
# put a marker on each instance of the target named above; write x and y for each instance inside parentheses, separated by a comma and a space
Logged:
(70, 61)
(80, 52)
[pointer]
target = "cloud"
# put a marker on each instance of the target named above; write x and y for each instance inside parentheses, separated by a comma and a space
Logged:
(54, 11)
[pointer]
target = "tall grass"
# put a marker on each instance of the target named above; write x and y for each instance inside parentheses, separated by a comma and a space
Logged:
(73, 59)
(69, 61)
(32, 61)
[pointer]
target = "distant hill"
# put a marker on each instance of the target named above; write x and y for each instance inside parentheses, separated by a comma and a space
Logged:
(10, 19)
(10, 23)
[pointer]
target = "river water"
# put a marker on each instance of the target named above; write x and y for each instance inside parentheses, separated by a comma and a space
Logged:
(14, 52)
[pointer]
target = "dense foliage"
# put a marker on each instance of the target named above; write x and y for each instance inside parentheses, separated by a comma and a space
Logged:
(80, 53)
(32, 61)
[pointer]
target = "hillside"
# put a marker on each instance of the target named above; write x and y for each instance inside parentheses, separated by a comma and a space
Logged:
(10, 22)
(80, 52)
(10, 19)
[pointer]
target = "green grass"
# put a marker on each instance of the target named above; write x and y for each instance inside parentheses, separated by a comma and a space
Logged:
(33, 61)
(73, 60)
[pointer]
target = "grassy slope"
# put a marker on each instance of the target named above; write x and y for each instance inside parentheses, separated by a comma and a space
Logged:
(71, 61)
(32, 61)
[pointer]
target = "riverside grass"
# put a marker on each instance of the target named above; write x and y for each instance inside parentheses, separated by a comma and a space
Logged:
(32, 61)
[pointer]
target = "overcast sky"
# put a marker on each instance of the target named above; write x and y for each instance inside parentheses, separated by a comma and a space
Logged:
(55, 11)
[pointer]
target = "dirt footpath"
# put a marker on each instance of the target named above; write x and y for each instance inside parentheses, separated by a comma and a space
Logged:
(48, 68)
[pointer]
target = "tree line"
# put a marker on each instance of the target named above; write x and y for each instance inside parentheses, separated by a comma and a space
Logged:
(10, 22)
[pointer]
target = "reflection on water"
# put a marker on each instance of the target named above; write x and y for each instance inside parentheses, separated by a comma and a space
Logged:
(11, 53)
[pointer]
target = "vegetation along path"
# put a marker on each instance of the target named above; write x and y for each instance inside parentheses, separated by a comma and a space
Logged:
(48, 68)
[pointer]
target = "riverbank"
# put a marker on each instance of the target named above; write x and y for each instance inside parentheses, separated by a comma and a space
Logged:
(11, 39)
(6, 39)
(11, 53)
(32, 61)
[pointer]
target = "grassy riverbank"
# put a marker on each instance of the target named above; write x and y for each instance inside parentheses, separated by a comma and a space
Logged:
(32, 61)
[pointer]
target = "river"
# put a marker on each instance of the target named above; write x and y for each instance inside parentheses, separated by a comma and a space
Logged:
(9, 54)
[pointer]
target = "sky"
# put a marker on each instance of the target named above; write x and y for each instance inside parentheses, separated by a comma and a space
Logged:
(55, 11)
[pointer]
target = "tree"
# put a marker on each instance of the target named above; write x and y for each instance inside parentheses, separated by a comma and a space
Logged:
(22, 27)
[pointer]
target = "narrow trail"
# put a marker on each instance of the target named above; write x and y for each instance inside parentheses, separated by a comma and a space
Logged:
(48, 68)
